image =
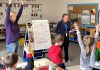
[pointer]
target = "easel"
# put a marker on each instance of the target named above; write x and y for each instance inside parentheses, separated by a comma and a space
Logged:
(34, 35)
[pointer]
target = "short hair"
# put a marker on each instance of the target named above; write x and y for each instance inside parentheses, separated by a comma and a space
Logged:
(12, 12)
(59, 38)
(64, 15)
(10, 60)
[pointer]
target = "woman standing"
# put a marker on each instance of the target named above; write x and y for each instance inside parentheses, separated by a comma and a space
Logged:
(12, 28)
(63, 28)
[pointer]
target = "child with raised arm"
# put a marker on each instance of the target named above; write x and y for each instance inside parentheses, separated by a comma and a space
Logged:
(85, 46)
(29, 56)
(9, 61)
(12, 28)
(93, 62)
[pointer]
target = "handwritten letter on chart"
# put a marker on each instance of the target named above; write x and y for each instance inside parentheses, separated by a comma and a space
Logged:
(41, 34)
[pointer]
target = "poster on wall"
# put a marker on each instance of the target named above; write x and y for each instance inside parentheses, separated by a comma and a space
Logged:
(93, 18)
(70, 8)
(74, 15)
(31, 11)
(41, 34)
(85, 17)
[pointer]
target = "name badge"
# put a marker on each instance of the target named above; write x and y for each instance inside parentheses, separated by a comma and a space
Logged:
(66, 34)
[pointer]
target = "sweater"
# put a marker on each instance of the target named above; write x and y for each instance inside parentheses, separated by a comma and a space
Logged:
(93, 62)
(12, 29)
(30, 62)
(55, 54)
(84, 60)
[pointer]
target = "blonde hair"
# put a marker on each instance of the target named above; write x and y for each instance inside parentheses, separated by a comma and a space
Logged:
(59, 38)
(90, 41)
(12, 13)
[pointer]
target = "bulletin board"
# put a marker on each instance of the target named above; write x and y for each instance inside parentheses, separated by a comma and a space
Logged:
(30, 12)
(84, 12)
(99, 15)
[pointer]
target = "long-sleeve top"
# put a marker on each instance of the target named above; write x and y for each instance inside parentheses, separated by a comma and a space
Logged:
(93, 62)
(12, 29)
(55, 54)
(29, 66)
(30, 62)
(63, 28)
(84, 60)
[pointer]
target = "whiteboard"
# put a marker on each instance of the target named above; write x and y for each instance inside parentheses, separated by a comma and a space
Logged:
(41, 34)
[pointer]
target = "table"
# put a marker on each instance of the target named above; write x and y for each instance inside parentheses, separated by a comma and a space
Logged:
(43, 62)
(38, 63)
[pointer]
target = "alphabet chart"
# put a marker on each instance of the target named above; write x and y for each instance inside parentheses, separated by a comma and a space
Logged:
(41, 34)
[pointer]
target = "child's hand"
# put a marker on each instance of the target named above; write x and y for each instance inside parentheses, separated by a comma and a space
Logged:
(97, 27)
(22, 2)
(10, 1)
(27, 48)
(76, 26)
(1, 59)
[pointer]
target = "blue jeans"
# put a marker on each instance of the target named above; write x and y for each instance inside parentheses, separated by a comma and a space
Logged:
(12, 47)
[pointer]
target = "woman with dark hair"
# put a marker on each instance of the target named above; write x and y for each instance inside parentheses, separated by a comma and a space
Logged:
(63, 28)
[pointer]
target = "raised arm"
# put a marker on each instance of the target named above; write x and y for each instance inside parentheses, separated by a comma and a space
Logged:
(79, 37)
(71, 31)
(93, 63)
(1, 60)
(97, 33)
(8, 13)
(2, 66)
(30, 61)
(20, 11)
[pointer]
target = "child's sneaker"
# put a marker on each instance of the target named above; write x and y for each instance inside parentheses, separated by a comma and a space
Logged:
(66, 68)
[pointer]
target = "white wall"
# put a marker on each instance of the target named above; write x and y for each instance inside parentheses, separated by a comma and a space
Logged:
(52, 9)
(62, 8)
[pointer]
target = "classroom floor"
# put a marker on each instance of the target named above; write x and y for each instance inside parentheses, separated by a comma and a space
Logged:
(74, 54)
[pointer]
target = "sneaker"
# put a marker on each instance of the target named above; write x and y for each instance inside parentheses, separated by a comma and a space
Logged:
(66, 68)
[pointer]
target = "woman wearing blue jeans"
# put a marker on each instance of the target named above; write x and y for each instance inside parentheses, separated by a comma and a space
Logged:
(12, 28)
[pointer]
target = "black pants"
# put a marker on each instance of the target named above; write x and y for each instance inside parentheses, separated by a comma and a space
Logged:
(95, 69)
(65, 47)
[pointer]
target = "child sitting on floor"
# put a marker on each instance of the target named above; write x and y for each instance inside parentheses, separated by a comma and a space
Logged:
(9, 61)
(85, 45)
